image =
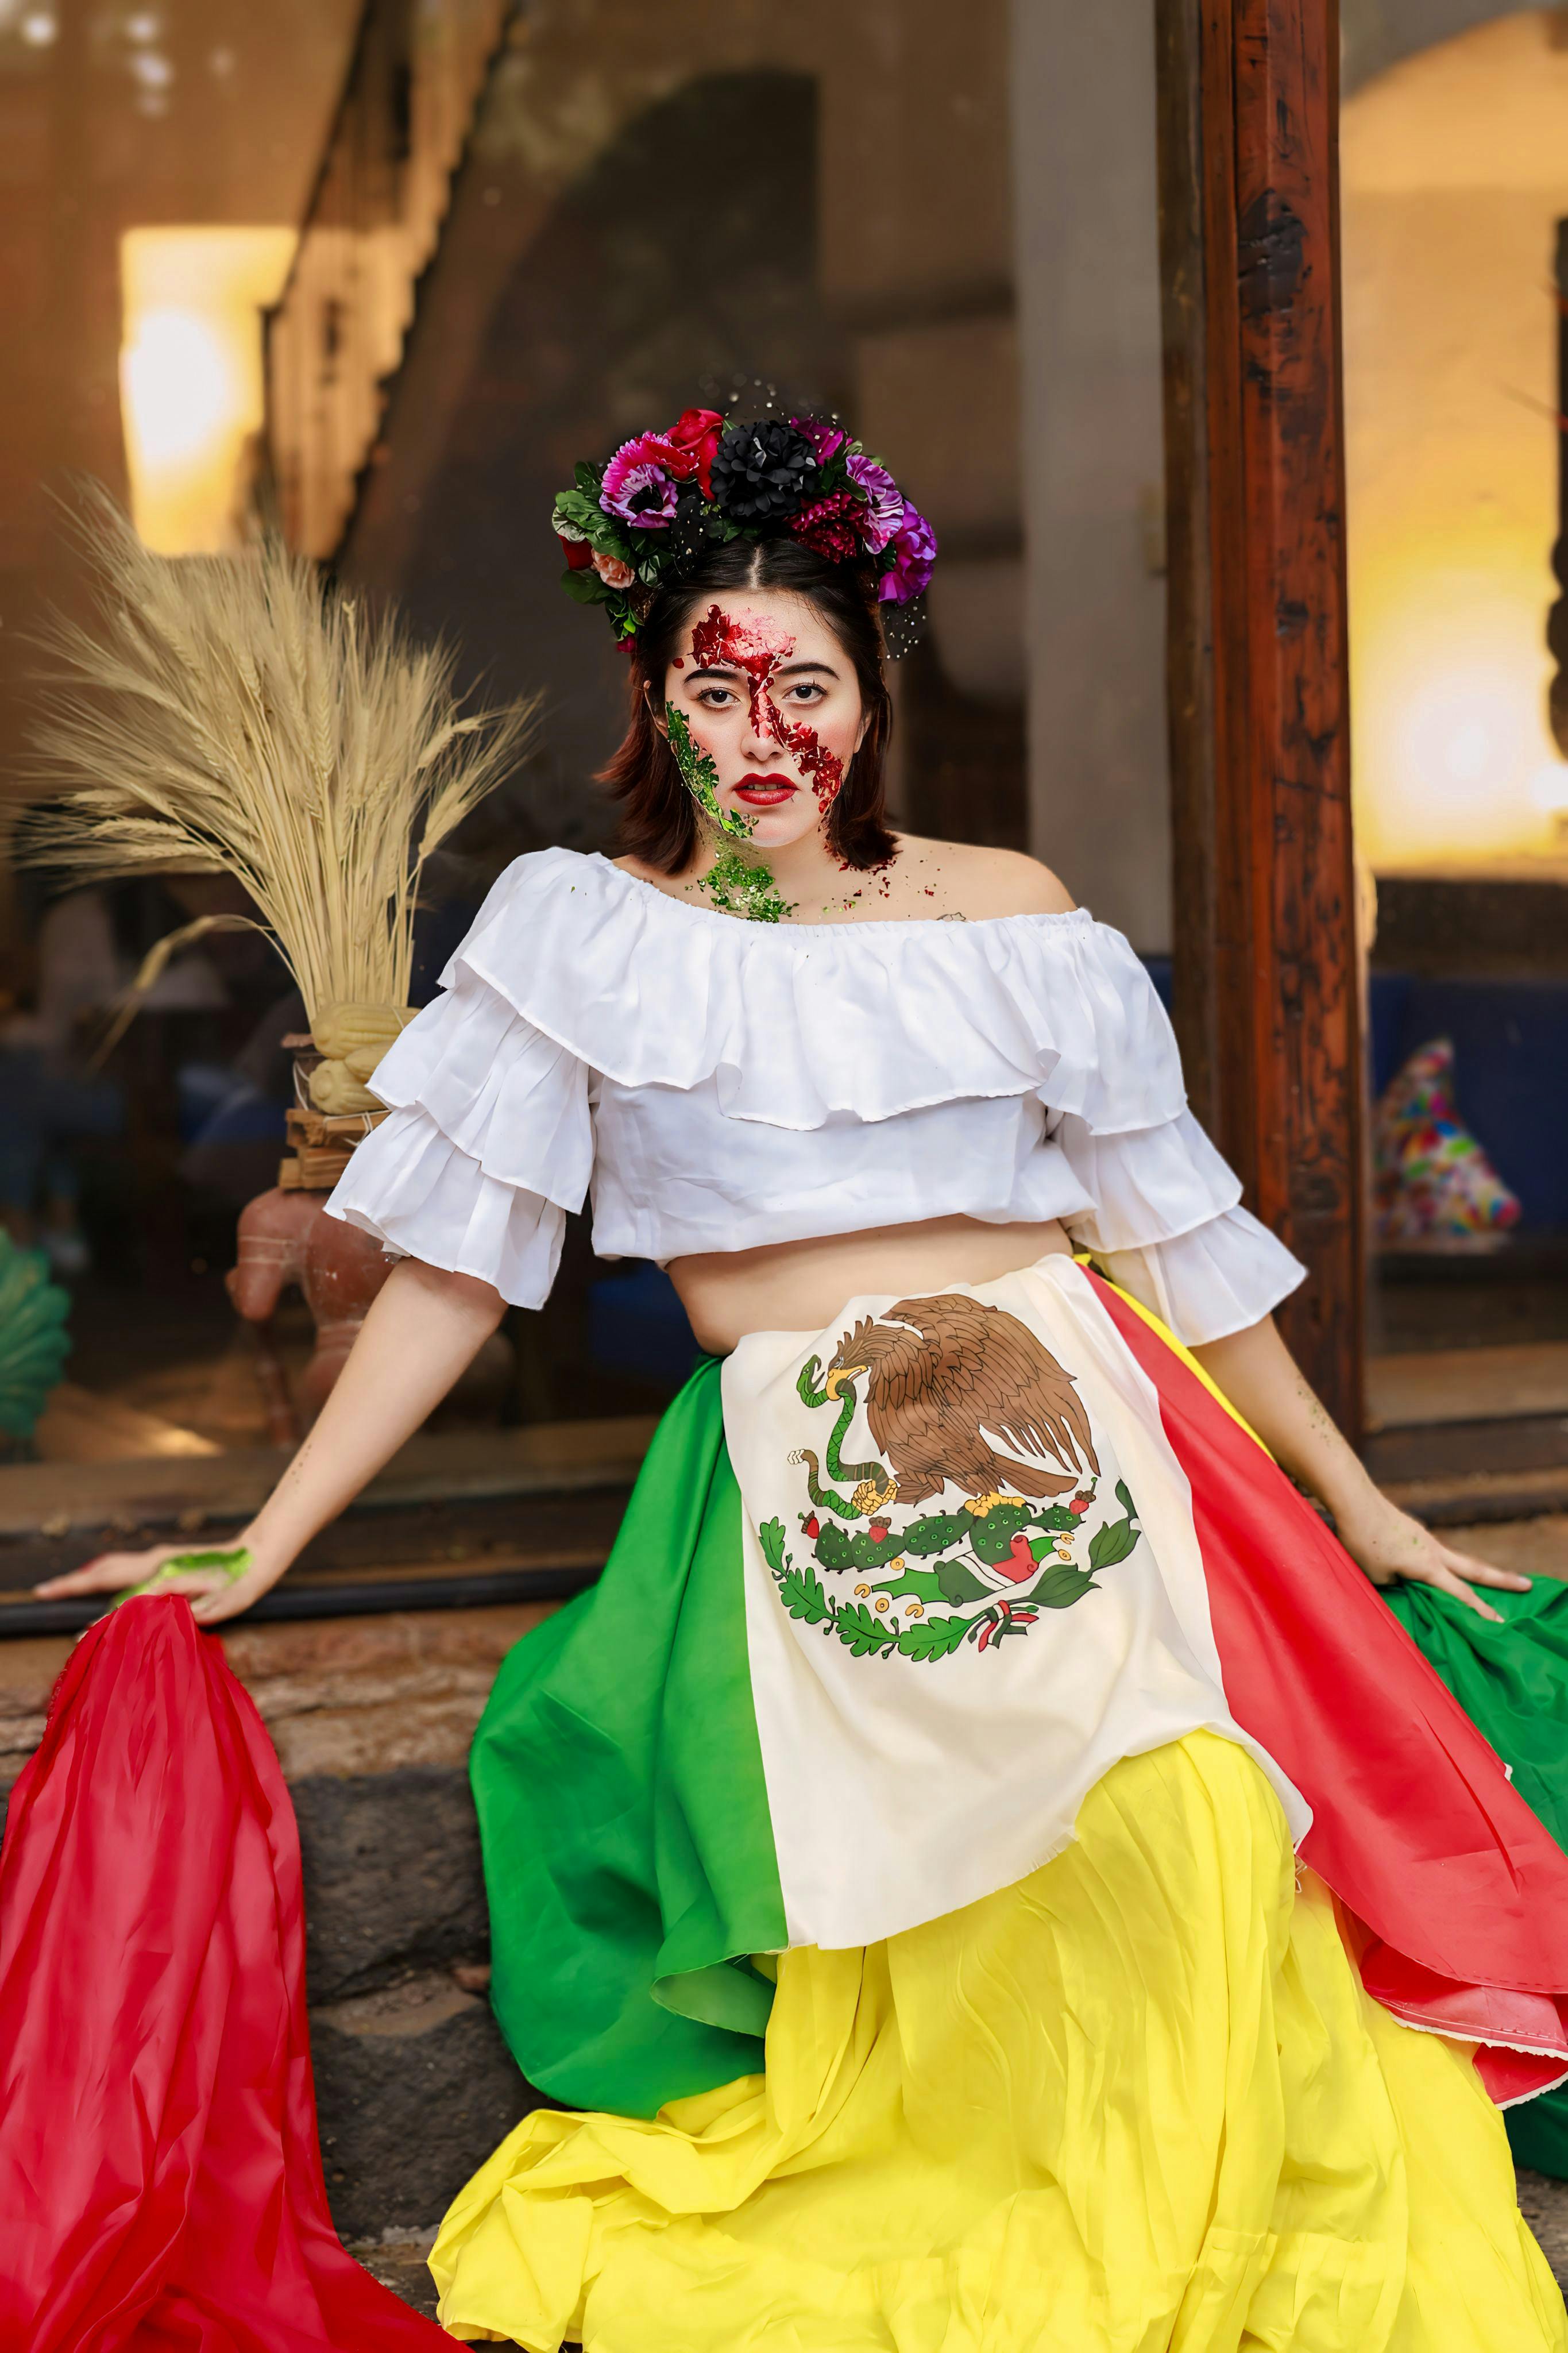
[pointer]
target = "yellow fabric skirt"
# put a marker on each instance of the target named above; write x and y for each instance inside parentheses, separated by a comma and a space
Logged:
(1138, 2101)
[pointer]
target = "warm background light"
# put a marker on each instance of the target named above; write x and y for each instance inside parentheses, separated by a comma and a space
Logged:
(1455, 175)
(191, 376)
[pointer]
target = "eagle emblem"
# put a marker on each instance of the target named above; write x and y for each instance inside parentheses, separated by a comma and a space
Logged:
(966, 1407)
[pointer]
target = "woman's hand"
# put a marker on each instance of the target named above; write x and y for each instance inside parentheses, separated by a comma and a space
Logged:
(424, 1325)
(1389, 1544)
(213, 1594)
(1257, 1372)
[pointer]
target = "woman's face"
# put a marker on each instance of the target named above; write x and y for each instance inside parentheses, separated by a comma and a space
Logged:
(763, 713)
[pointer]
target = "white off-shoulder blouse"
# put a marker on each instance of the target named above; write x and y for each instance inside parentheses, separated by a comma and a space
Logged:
(716, 1083)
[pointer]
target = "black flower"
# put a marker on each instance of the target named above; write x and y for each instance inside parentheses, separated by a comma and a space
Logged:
(762, 474)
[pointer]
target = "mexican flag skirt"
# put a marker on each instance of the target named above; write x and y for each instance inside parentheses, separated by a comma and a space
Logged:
(984, 1873)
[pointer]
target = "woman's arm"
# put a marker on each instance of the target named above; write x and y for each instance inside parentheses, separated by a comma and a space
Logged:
(1263, 1382)
(424, 1328)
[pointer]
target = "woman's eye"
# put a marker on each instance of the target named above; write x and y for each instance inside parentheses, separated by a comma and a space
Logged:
(807, 693)
(715, 697)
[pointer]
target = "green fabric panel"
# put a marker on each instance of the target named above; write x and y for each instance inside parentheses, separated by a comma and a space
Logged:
(1538, 2132)
(1512, 1683)
(629, 1854)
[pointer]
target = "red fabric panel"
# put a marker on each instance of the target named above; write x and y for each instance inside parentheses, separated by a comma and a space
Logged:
(1415, 1824)
(161, 2185)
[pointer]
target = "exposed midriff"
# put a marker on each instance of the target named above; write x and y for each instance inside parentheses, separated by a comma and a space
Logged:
(800, 1286)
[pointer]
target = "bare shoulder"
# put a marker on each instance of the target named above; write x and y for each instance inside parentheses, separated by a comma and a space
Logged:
(963, 878)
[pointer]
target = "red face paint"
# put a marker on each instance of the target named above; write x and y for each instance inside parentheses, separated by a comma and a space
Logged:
(757, 651)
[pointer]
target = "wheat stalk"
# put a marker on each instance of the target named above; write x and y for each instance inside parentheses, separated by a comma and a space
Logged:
(235, 714)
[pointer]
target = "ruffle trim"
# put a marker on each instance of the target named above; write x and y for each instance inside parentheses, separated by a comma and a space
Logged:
(506, 1094)
(1221, 1276)
(799, 1024)
(412, 1189)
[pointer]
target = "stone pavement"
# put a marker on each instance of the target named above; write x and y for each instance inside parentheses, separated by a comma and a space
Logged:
(1544, 2205)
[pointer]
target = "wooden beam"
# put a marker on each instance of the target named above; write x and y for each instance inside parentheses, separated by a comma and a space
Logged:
(1266, 974)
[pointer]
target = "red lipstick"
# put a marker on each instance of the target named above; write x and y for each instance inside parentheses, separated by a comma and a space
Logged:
(766, 791)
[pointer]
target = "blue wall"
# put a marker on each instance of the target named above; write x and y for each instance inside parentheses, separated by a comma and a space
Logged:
(1510, 1071)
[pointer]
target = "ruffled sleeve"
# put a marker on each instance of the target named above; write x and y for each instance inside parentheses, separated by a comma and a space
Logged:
(488, 1146)
(1167, 1225)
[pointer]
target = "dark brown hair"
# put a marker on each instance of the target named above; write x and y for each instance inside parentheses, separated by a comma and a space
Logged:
(658, 819)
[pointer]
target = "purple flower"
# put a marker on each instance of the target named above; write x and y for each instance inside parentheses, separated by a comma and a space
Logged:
(885, 500)
(640, 481)
(824, 439)
(911, 556)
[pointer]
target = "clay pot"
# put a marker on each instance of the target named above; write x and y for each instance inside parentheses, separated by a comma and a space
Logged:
(289, 1238)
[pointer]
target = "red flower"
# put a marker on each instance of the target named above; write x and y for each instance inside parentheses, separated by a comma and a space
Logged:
(697, 433)
(1080, 1503)
(832, 526)
(577, 551)
(813, 1525)
(879, 1531)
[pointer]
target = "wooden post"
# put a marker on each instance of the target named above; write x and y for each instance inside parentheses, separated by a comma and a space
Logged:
(1265, 953)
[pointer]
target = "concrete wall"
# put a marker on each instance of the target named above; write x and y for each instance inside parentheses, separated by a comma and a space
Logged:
(1375, 34)
(1088, 322)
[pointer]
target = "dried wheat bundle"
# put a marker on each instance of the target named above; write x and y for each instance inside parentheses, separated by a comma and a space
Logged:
(235, 714)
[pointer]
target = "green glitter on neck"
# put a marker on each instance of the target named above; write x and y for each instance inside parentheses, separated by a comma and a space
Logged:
(702, 778)
(737, 887)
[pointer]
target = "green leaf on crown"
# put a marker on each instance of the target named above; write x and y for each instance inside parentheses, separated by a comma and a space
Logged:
(583, 513)
(585, 587)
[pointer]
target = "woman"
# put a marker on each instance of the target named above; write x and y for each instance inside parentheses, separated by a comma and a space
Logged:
(891, 1859)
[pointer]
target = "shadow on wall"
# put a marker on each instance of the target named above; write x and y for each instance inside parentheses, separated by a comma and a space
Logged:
(680, 265)
(684, 257)
(1375, 34)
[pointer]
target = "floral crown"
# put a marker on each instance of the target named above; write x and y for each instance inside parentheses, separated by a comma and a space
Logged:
(646, 519)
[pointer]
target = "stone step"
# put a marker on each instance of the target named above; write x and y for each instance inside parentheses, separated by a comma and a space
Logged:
(413, 2088)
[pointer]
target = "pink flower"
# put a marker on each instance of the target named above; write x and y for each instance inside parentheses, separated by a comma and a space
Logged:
(884, 499)
(824, 439)
(911, 558)
(612, 572)
(639, 484)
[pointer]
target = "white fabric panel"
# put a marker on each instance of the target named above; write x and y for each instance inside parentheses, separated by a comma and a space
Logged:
(900, 1789)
